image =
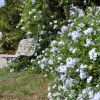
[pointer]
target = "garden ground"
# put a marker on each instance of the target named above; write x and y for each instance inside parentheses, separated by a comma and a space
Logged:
(23, 85)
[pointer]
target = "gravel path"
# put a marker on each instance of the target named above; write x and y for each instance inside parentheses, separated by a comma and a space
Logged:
(3, 62)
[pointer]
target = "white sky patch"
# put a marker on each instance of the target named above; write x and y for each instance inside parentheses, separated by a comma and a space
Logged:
(2, 2)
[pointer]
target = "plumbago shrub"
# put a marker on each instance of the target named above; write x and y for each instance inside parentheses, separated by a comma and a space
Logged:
(38, 21)
(74, 58)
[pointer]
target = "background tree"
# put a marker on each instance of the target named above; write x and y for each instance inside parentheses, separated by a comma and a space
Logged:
(9, 18)
(13, 8)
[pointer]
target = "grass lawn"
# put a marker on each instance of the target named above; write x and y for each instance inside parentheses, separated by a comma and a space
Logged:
(23, 85)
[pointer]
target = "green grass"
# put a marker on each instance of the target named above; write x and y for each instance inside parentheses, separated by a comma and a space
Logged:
(23, 85)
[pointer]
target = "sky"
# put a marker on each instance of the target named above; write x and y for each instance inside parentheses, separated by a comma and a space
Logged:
(1, 3)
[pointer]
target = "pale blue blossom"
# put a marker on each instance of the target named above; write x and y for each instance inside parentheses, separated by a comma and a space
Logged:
(64, 29)
(81, 25)
(89, 79)
(54, 50)
(53, 43)
(83, 74)
(96, 96)
(88, 31)
(55, 94)
(72, 12)
(82, 66)
(42, 65)
(62, 77)
(86, 93)
(50, 62)
(50, 96)
(61, 43)
(93, 54)
(70, 62)
(68, 82)
(75, 35)
(72, 50)
(44, 59)
(88, 42)
(81, 13)
(62, 69)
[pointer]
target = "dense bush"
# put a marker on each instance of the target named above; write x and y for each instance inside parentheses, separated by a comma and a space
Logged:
(11, 40)
(19, 64)
(3, 20)
(38, 21)
(43, 19)
(10, 15)
(73, 56)
(9, 18)
(12, 10)
(73, 59)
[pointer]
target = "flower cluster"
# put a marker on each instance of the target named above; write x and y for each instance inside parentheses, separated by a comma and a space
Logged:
(80, 53)
(93, 54)
(73, 57)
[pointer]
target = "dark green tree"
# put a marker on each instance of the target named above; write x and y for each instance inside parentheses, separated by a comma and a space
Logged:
(13, 8)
